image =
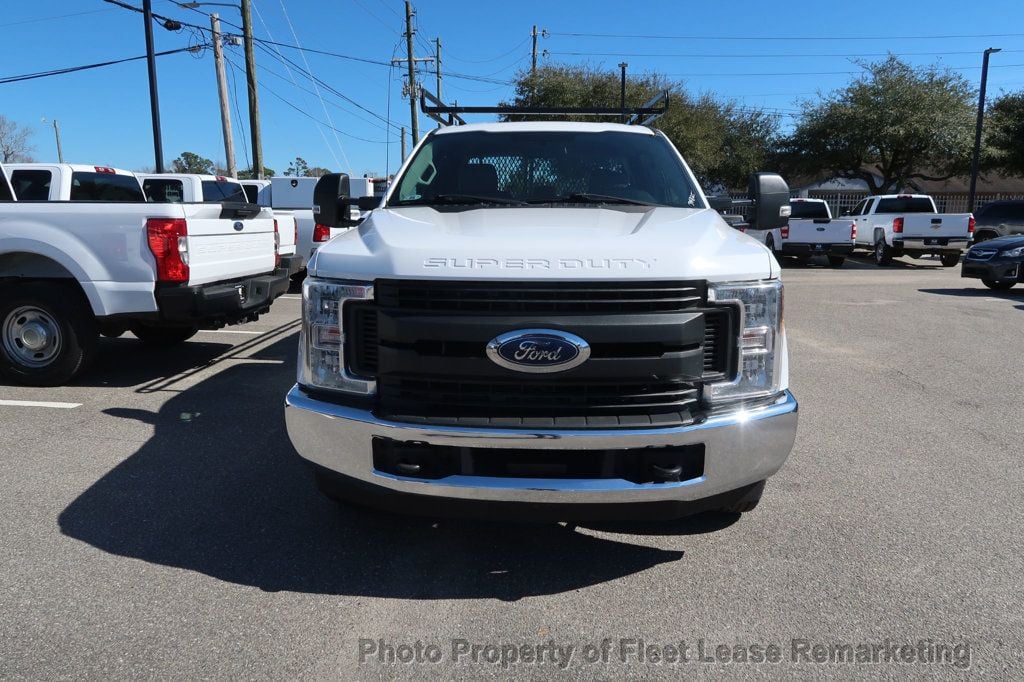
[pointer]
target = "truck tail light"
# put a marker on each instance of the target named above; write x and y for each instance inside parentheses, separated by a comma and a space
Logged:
(970, 225)
(785, 232)
(321, 233)
(277, 245)
(295, 227)
(168, 240)
(853, 231)
(897, 225)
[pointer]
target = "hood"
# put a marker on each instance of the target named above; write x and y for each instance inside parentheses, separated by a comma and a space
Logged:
(544, 243)
(1011, 241)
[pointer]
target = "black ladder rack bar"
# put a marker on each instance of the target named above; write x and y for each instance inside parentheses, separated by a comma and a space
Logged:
(435, 109)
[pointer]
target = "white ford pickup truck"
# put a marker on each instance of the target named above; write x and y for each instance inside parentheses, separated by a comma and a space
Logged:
(544, 319)
(812, 231)
(82, 253)
(186, 188)
(894, 225)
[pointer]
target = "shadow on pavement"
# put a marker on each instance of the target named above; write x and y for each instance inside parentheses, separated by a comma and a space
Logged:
(970, 292)
(224, 494)
(864, 261)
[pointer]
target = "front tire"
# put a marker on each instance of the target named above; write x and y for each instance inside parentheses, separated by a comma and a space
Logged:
(883, 254)
(836, 261)
(950, 260)
(47, 334)
(769, 241)
(997, 286)
(164, 335)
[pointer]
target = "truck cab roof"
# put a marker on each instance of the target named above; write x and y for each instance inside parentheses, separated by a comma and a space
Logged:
(67, 168)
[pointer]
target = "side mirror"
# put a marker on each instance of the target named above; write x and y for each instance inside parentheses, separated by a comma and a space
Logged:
(770, 194)
(331, 201)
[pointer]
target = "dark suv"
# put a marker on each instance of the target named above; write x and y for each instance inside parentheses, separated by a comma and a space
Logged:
(999, 219)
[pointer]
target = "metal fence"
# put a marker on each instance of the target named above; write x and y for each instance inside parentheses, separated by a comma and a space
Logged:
(946, 202)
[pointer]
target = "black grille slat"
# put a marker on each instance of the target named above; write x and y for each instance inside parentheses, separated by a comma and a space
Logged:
(550, 398)
(539, 296)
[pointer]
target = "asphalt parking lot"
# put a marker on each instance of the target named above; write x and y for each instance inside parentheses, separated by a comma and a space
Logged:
(155, 521)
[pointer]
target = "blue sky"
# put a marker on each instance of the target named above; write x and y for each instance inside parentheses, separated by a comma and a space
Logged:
(740, 50)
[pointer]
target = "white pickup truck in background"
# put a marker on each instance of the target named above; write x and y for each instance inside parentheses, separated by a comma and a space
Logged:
(812, 231)
(894, 225)
(295, 196)
(82, 253)
(186, 188)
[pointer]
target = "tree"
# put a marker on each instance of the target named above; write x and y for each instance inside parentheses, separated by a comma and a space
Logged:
(1004, 133)
(247, 174)
(891, 125)
(14, 146)
(722, 141)
(297, 168)
(190, 162)
(317, 172)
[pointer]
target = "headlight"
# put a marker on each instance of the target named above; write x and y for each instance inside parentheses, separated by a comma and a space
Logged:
(1013, 253)
(760, 339)
(322, 339)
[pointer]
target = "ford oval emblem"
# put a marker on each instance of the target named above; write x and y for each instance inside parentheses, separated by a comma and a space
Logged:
(239, 226)
(538, 350)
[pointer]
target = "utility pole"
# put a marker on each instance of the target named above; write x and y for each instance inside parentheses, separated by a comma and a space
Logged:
(437, 63)
(56, 132)
(533, 54)
(222, 92)
(622, 96)
(254, 102)
(154, 99)
(403, 143)
(977, 129)
(413, 91)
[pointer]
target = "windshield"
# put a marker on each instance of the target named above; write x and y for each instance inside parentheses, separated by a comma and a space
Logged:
(523, 168)
(105, 187)
(216, 191)
(905, 205)
(808, 209)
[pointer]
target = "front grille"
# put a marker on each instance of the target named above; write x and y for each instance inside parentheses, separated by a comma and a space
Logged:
(653, 345)
(533, 402)
(980, 254)
(536, 297)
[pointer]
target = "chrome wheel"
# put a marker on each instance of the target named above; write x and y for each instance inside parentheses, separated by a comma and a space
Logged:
(31, 337)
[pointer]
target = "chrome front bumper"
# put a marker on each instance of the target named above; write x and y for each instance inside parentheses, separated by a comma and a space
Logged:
(741, 447)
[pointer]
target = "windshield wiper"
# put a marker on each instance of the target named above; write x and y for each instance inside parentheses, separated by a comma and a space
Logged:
(588, 198)
(456, 199)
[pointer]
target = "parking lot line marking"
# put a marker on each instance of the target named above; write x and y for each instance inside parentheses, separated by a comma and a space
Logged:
(229, 331)
(291, 298)
(39, 403)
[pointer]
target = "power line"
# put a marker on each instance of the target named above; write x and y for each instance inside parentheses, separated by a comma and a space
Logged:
(337, 93)
(85, 67)
(238, 114)
(303, 111)
(490, 59)
(57, 16)
(318, 95)
(787, 38)
(263, 67)
(763, 56)
(820, 73)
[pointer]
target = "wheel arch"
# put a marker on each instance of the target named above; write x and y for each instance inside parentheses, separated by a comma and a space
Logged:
(28, 266)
